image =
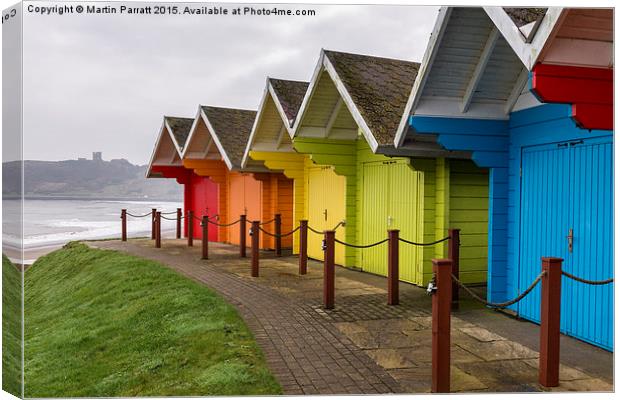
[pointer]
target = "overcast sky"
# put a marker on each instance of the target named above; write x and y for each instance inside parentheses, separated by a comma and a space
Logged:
(103, 82)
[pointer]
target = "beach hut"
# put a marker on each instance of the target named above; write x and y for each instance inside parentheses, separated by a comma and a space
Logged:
(270, 141)
(529, 93)
(355, 177)
(214, 149)
(199, 193)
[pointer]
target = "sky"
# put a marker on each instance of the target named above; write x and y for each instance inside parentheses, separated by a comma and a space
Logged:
(103, 82)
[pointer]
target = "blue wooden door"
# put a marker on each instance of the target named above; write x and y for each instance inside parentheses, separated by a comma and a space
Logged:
(568, 187)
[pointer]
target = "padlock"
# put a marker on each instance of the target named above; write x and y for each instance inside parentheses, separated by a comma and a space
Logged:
(323, 245)
(251, 232)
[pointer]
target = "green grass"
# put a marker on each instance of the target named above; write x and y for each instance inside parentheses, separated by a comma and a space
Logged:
(11, 327)
(103, 323)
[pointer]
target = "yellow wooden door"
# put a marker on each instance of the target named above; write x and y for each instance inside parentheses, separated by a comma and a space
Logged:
(334, 187)
(316, 208)
(375, 211)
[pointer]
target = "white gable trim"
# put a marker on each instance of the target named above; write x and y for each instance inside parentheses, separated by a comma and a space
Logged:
(161, 132)
(191, 133)
(174, 140)
(311, 88)
(528, 53)
(213, 134)
(257, 120)
(427, 61)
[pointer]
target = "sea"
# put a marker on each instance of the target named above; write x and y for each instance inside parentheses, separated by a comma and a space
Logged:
(49, 224)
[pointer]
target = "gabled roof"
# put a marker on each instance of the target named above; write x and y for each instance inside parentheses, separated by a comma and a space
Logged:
(174, 131)
(477, 61)
(374, 89)
(230, 130)
(281, 101)
(180, 128)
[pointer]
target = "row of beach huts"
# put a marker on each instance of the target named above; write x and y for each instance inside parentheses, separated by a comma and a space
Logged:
(503, 130)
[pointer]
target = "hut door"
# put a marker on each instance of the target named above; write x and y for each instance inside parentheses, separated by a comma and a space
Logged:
(326, 207)
(568, 188)
(244, 197)
(391, 200)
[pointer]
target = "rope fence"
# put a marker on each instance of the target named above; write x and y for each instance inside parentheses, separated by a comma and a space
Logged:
(280, 235)
(505, 303)
(267, 222)
(359, 246)
(224, 225)
(139, 216)
(587, 281)
(424, 244)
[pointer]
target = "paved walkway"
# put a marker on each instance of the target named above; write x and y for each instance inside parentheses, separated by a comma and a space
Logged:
(364, 345)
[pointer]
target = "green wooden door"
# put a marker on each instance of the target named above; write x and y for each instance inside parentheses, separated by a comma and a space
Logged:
(392, 198)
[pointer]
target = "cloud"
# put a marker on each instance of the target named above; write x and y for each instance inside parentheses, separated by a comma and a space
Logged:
(103, 82)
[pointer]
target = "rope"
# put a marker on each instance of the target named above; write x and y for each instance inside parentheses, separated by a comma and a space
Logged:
(314, 230)
(138, 216)
(223, 225)
(267, 222)
(169, 212)
(280, 235)
(341, 223)
(589, 282)
(424, 244)
(169, 219)
(357, 246)
(506, 303)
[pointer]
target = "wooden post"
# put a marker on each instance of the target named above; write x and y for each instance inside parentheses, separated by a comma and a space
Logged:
(329, 270)
(242, 233)
(205, 237)
(153, 227)
(179, 215)
(254, 232)
(278, 225)
(190, 228)
(442, 300)
(303, 247)
(549, 364)
(124, 224)
(454, 245)
(393, 273)
(158, 229)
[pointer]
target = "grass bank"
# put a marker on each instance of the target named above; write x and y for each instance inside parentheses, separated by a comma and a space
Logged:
(11, 327)
(102, 323)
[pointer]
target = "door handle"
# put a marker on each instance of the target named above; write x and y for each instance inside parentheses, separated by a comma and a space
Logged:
(570, 238)
(325, 214)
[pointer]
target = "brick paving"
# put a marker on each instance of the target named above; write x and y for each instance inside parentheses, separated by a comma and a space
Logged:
(363, 346)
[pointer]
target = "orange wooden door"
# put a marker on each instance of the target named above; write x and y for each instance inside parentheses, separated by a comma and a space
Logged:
(244, 197)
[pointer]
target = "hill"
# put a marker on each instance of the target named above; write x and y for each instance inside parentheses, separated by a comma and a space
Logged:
(115, 179)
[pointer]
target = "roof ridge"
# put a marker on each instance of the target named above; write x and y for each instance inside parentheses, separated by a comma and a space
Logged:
(370, 56)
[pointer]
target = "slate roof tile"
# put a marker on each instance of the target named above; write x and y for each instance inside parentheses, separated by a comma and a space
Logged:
(180, 129)
(290, 94)
(523, 16)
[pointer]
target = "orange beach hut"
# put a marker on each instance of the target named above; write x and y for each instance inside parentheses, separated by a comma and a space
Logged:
(214, 149)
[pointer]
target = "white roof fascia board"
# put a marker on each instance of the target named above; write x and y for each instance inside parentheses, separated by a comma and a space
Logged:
(192, 131)
(476, 76)
(276, 100)
(344, 95)
(257, 120)
(174, 140)
(311, 88)
(450, 107)
(161, 132)
(528, 53)
(425, 67)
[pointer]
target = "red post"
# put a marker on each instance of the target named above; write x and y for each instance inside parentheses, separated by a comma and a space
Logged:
(303, 247)
(190, 228)
(278, 223)
(158, 229)
(153, 227)
(179, 214)
(393, 273)
(442, 300)
(254, 233)
(329, 270)
(549, 364)
(124, 224)
(242, 233)
(454, 245)
(205, 237)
